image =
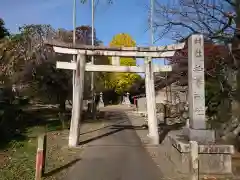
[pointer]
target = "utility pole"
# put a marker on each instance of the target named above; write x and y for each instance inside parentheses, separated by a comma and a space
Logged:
(151, 22)
(92, 60)
(73, 134)
(74, 43)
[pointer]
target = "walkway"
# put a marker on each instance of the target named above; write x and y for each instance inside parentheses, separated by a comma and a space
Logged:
(116, 154)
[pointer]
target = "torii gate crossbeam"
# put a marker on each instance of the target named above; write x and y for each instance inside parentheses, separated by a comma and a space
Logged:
(111, 68)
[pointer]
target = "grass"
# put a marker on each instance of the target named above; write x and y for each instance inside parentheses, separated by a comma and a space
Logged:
(20, 161)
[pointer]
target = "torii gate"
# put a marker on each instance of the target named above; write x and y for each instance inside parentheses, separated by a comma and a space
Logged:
(137, 52)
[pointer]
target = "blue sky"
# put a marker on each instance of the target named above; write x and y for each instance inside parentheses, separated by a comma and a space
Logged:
(123, 16)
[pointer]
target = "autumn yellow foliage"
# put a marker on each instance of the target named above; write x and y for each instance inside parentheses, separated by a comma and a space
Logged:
(123, 81)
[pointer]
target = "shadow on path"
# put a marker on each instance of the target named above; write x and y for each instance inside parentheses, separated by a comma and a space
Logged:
(102, 128)
(164, 129)
(61, 168)
(129, 127)
(101, 136)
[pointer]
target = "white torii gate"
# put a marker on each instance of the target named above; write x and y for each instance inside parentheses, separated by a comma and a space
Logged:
(138, 52)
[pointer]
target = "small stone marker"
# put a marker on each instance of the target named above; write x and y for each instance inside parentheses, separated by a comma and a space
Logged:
(128, 100)
(40, 157)
(194, 160)
(101, 103)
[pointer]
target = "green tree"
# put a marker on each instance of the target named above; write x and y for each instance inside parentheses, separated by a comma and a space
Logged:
(3, 31)
(28, 61)
(122, 82)
(3, 45)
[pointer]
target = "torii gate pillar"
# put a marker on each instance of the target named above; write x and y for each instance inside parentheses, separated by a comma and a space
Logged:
(78, 101)
(151, 102)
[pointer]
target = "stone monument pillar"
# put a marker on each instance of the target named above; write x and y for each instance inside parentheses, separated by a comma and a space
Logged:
(196, 91)
(213, 158)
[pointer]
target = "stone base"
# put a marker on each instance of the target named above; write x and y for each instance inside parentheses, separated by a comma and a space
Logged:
(142, 113)
(101, 105)
(203, 136)
(153, 140)
(213, 159)
(160, 117)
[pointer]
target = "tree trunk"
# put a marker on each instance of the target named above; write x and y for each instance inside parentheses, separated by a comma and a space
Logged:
(62, 105)
(62, 111)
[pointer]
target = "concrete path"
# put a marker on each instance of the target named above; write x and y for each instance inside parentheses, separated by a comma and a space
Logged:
(115, 154)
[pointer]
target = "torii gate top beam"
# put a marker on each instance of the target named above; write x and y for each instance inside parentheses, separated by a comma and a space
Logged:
(139, 52)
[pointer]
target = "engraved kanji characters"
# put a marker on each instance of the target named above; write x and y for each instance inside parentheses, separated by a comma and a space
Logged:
(199, 111)
(198, 68)
(199, 81)
(198, 53)
(197, 96)
(198, 41)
